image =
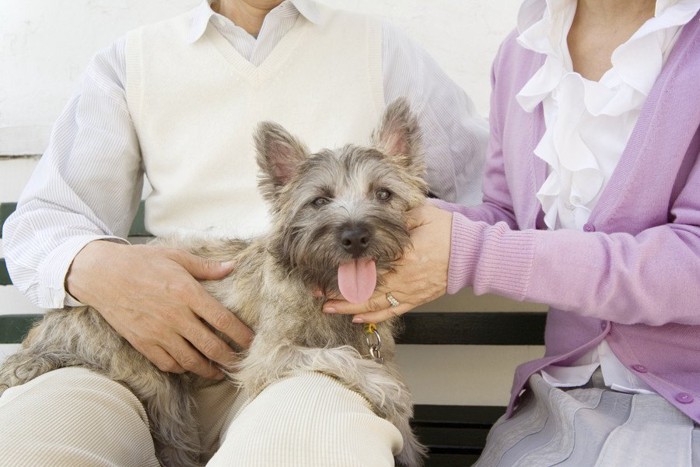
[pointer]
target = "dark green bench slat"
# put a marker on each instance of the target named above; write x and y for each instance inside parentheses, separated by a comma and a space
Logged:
(422, 324)
(458, 416)
(13, 328)
(4, 276)
(454, 434)
(473, 328)
(5, 210)
(138, 228)
(452, 440)
(450, 460)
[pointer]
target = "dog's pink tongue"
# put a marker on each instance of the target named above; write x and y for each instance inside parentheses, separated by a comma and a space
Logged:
(357, 279)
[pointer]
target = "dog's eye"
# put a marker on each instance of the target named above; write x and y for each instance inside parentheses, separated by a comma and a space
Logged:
(320, 201)
(383, 194)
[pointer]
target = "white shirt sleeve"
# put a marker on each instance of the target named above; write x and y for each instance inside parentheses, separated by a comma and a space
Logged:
(455, 136)
(86, 186)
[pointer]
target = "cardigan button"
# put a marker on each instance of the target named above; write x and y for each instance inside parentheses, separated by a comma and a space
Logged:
(684, 398)
(603, 325)
(589, 228)
(639, 368)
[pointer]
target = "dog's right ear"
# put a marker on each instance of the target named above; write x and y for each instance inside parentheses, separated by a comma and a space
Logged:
(398, 136)
(279, 156)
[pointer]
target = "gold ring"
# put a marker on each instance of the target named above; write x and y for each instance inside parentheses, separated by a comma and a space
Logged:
(392, 300)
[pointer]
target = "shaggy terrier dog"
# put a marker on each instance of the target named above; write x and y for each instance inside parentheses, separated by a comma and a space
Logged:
(338, 225)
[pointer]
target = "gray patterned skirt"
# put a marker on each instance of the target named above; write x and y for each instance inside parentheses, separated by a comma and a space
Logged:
(592, 426)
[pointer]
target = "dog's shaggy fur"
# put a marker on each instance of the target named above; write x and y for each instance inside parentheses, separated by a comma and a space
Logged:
(328, 208)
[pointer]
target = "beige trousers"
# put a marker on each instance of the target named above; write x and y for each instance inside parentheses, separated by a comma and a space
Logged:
(73, 417)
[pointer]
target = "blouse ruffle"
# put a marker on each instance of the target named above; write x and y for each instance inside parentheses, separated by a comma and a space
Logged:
(589, 122)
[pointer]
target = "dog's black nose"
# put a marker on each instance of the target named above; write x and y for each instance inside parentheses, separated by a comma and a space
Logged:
(355, 239)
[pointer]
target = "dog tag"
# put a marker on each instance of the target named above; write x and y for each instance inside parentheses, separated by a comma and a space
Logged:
(374, 342)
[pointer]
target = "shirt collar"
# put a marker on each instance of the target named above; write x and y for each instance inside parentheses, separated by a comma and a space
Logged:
(308, 9)
(203, 13)
(531, 11)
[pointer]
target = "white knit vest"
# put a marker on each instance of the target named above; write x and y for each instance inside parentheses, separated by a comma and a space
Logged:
(195, 107)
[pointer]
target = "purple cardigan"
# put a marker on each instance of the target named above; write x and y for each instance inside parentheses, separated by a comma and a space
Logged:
(632, 276)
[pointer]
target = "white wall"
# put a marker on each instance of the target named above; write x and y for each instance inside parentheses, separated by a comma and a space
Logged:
(46, 44)
(44, 48)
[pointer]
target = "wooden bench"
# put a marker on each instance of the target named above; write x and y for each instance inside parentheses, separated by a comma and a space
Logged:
(455, 434)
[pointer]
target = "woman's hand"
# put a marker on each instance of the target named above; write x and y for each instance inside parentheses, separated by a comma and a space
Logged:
(420, 276)
(152, 297)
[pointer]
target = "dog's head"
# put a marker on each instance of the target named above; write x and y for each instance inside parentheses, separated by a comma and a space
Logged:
(339, 216)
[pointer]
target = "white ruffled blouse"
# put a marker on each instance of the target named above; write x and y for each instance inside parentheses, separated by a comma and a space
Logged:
(588, 124)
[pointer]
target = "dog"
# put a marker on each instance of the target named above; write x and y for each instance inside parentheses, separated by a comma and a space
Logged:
(339, 224)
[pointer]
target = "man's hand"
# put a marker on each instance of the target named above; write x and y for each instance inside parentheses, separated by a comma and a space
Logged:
(420, 276)
(151, 296)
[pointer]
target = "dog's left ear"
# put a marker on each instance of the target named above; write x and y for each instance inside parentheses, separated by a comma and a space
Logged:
(398, 136)
(279, 155)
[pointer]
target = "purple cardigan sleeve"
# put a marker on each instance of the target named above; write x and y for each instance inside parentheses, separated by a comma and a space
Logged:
(638, 259)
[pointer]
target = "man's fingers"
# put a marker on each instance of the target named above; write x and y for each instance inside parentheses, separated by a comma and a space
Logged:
(181, 358)
(161, 359)
(176, 355)
(202, 268)
(207, 307)
(161, 315)
(191, 360)
(221, 318)
(230, 325)
(209, 344)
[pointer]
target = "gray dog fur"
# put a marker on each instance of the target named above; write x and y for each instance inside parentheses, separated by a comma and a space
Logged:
(314, 200)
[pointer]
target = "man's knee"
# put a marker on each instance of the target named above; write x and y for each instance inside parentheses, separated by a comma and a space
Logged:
(309, 419)
(74, 415)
